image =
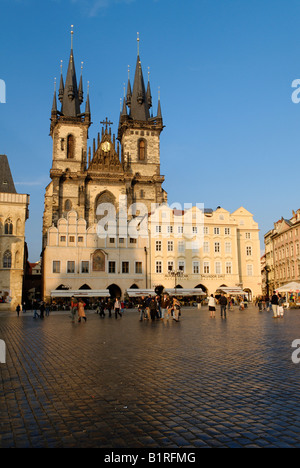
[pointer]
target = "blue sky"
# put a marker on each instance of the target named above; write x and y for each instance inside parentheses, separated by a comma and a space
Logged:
(224, 69)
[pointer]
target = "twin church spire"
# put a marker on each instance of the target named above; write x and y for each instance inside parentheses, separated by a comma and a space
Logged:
(139, 98)
(136, 104)
(70, 94)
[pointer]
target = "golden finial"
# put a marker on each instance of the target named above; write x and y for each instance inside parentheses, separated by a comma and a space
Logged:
(72, 32)
(138, 43)
(148, 74)
(61, 62)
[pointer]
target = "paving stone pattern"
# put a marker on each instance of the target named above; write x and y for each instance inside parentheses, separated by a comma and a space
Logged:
(122, 383)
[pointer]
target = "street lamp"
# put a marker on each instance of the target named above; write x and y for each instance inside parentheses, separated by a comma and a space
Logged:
(175, 274)
(267, 270)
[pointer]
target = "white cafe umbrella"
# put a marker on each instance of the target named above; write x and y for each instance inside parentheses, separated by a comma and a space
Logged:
(290, 287)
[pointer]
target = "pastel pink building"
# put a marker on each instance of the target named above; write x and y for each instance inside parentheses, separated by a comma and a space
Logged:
(283, 256)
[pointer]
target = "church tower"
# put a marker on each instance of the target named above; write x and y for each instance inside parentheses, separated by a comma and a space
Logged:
(139, 135)
(69, 132)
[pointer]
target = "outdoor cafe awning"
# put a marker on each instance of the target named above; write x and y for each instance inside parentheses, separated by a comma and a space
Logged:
(80, 293)
(185, 292)
(140, 292)
(232, 291)
(290, 287)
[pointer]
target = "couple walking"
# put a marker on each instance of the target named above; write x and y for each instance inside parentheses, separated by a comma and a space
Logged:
(78, 308)
(212, 306)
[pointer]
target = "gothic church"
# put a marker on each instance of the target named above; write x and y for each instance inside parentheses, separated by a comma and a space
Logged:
(82, 178)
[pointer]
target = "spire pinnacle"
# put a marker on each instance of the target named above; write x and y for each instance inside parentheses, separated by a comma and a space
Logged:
(138, 44)
(72, 33)
(54, 106)
(87, 104)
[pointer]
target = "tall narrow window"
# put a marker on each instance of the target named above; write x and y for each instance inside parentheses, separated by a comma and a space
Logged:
(8, 227)
(70, 147)
(7, 259)
(142, 150)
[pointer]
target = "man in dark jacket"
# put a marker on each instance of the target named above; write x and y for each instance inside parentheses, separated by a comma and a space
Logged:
(275, 302)
(153, 308)
(223, 304)
(165, 304)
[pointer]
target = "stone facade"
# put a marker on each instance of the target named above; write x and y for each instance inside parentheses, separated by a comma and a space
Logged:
(282, 245)
(210, 250)
(13, 215)
(127, 170)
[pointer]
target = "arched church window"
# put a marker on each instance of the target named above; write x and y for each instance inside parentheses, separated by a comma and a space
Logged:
(70, 147)
(19, 227)
(7, 259)
(98, 261)
(8, 226)
(142, 150)
(68, 205)
(105, 198)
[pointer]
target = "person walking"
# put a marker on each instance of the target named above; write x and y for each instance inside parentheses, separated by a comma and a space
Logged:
(35, 307)
(117, 308)
(81, 311)
(165, 304)
(18, 308)
(101, 308)
(42, 310)
(109, 307)
(274, 304)
(153, 309)
(141, 308)
(281, 303)
(223, 304)
(176, 309)
(212, 306)
(74, 305)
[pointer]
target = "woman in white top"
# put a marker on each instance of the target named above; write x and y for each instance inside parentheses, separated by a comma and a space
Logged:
(212, 306)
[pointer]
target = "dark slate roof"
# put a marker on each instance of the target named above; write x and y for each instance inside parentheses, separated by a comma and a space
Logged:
(6, 181)
(139, 103)
(70, 94)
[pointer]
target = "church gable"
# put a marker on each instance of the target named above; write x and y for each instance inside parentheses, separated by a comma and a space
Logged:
(106, 157)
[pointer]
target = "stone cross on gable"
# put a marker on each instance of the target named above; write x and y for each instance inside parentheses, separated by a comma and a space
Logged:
(106, 122)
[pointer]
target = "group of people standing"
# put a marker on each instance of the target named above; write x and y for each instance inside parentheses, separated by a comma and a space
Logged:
(157, 308)
(224, 303)
(116, 305)
(274, 304)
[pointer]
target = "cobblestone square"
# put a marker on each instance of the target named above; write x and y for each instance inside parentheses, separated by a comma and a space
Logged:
(122, 383)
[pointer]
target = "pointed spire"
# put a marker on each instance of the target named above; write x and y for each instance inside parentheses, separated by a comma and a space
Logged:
(87, 113)
(128, 98)
(70, 100)
(61, 85)
(54, 104)
(149, 97)
(80, 88)
(139, 101)
(159, 114)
